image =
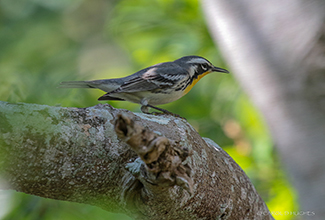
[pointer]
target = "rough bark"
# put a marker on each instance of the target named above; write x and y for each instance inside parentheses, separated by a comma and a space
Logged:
(75, 155)
(276, 50)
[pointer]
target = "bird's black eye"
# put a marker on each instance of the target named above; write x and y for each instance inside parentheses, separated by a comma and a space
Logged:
(204, 67)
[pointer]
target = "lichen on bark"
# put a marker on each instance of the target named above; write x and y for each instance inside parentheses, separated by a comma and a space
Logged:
(75, 155)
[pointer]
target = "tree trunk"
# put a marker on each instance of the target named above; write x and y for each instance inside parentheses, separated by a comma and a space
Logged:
(276, 50)
(82, 155)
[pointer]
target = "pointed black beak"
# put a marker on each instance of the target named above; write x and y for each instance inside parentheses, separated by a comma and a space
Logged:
(217, 69)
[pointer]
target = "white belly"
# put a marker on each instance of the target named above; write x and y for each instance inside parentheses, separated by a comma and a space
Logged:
(149, 98)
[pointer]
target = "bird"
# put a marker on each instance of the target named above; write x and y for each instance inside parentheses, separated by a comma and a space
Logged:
(155, 85)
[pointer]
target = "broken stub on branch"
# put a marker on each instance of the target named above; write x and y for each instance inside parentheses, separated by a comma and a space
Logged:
(163, 157)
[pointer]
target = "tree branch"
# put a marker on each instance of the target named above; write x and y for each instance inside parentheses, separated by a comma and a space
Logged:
(163, 157)
(75, 155)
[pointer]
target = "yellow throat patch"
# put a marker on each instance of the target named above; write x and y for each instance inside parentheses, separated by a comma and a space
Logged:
(189, 87)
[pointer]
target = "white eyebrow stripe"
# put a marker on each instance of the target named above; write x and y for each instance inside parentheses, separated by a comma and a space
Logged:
(197, 60)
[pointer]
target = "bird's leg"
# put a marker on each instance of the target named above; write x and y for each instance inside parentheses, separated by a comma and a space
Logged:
(160, 109)
(164, 111)
(145, 109)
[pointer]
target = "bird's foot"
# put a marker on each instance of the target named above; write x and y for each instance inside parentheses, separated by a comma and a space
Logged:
(144, 109)
(167, 113)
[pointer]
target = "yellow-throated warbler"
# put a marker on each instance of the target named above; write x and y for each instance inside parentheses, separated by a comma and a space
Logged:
(156, 85)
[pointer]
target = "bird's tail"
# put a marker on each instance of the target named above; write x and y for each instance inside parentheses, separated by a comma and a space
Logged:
(75, 84)
(106, 85)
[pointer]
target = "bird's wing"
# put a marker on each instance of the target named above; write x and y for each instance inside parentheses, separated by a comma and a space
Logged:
(159, 76)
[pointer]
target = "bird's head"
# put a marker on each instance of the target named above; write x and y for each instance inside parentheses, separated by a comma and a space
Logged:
(197, 65)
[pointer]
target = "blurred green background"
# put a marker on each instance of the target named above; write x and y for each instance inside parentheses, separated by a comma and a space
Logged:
(44, 42)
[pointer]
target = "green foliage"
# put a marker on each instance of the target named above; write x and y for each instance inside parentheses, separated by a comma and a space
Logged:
(26, 207)
(44, 42)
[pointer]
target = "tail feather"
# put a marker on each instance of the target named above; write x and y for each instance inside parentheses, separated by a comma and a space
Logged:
(75, 84)
(106, 85)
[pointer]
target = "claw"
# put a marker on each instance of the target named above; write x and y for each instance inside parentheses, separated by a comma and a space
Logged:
(144, 109)
(167, 113)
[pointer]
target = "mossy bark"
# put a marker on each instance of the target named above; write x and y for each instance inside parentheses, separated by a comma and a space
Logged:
(76, 155)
